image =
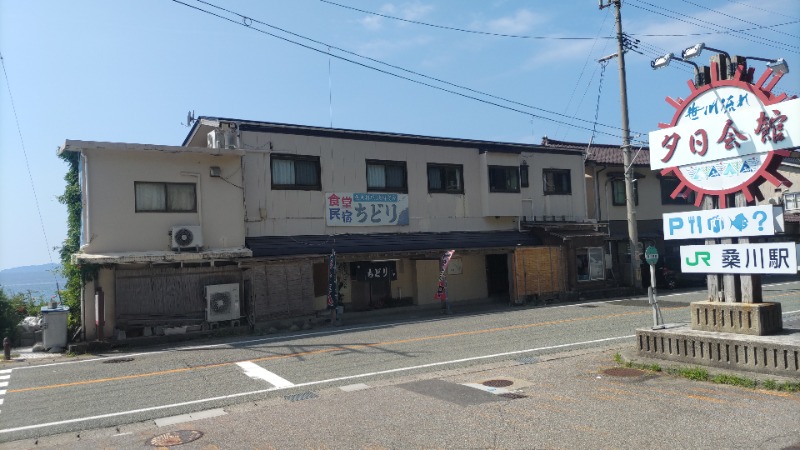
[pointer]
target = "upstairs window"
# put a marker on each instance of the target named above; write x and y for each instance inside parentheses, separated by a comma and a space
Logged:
(618, 195)
(503, 179)
(523, 175)
(386, 176)
(445, 178)
(557, 182)
(295, 172)
(165, 197)
(791, 201)
(668, 186)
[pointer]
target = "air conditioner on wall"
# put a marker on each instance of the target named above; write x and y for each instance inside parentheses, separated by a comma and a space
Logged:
(185, 237)
(222, 302)
(219, 139)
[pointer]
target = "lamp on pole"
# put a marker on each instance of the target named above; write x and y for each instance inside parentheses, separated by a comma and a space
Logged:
(663, 61)
(627, 156)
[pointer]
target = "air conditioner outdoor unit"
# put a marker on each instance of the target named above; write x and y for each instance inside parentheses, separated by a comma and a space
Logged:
(216, 139)
(186, 237)
(222, 302)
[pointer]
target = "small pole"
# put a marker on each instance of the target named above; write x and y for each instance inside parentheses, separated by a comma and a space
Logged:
(6, 349)
(658, 321)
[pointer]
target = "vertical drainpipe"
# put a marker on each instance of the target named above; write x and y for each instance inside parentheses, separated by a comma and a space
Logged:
(597, 203)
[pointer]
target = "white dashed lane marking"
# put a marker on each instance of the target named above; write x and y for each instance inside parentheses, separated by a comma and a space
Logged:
(5, 375)
(257, 372)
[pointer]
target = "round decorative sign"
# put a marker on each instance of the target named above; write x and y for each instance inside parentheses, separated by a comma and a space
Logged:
(727, 136)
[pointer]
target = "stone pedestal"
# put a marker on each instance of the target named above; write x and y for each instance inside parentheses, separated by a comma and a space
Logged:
(757, 319)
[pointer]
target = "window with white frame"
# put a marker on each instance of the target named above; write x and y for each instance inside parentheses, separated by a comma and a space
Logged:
(386, 176)
(300, 172)
(590, 263)
(165, 197)
(791, 201)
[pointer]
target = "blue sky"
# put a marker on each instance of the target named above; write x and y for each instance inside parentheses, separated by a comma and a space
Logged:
(129, 71)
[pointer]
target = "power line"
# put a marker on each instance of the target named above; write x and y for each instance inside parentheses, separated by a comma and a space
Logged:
(518, 36)
(737, 18)
(763, 9)
(462, 30)
(28, 167)
(700, 22)
(247, 21)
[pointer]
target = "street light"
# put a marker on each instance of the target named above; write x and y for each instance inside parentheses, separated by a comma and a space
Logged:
(695, 50)
(777, 65)
(663, 61)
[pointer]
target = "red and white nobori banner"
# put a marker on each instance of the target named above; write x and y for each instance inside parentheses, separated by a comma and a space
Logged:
(727, 136)
(441, 288)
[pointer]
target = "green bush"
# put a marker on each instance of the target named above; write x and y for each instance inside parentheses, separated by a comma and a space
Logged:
(12, 310)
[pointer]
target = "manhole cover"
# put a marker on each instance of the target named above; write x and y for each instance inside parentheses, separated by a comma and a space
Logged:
(117, 360)
(175, 438)
(624, 372)
(498, 383)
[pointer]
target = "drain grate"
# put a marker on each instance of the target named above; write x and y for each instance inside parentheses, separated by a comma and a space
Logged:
(117, 360)
(175, 438)
(301, 396)
(587, 306)
(498, 383)
(624, 372)
(512, 395)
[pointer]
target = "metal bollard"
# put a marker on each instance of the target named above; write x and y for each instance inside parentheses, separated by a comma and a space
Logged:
(6, 349)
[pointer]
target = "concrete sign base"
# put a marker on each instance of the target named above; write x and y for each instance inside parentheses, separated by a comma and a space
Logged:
(743, 318)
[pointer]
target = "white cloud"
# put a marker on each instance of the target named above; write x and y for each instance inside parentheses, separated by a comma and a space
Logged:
(382, 47)
(408, 11)
(521, 22)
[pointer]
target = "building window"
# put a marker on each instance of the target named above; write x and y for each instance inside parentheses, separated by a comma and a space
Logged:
(791, 201)
(503, 179)
(295, 172)
(165, 197)
(618, 195)
(557, 182)
(387, 176)
(590, 263)
(523, 175)
(447, 178)
(668, 186)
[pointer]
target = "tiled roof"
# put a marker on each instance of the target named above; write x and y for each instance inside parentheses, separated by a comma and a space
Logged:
(266, 246)
(603, 153)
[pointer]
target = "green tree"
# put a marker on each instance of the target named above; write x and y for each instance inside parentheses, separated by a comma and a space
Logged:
(12, 310)
(71, 294)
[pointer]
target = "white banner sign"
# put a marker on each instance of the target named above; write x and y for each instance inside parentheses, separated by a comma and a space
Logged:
(767, 258)
(762, 220)
(723, 123)
(358, 209)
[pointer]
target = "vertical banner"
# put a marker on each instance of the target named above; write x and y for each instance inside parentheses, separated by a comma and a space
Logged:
(333, 289)
(441, 290)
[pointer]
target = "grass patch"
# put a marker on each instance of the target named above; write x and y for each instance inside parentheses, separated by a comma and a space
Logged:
(734, 380)
(770, 384)
(692, 373)
(634, 365)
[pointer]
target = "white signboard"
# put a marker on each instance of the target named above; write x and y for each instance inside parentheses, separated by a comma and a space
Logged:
(763, 220)
(723, 123)
(767, 258)
(359, 209)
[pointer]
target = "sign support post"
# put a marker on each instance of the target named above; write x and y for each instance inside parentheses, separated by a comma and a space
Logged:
(651, 256)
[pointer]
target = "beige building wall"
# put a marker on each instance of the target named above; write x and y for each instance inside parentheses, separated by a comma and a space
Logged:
(470, 284)
(649, 206)
(343, 169)
(535, 203)
(105, 278)
(111, 223)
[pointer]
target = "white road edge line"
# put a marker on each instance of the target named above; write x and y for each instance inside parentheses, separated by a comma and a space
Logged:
(311, 383)
(257, 372)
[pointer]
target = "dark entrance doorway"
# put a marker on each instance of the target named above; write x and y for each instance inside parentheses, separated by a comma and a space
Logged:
(497, 275)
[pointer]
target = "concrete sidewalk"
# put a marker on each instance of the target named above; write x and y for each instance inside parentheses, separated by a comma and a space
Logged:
(579, 399)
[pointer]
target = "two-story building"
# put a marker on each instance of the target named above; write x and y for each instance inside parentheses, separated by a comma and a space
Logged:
(238, 224)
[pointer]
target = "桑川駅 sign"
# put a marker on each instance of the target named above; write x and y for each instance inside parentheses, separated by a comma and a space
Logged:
(762, 220)
(356, 209)
(727, 136)
(766, 258)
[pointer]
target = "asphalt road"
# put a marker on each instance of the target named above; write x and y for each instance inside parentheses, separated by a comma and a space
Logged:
(71, 396)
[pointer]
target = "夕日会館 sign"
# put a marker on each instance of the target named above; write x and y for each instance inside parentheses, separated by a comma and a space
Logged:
(365, 209)
(766, 258)
(762, 220)
(724, 123)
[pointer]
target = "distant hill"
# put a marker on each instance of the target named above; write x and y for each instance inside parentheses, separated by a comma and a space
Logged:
(39, 281)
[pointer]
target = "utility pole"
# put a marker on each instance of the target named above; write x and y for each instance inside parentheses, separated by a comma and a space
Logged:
(633, 234)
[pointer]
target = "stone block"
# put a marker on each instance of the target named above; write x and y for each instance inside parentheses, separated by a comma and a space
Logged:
(757, 319)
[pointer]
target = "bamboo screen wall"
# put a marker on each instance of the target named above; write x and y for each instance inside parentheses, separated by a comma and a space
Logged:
(168, 295)
(538, 270)
(282, 290)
